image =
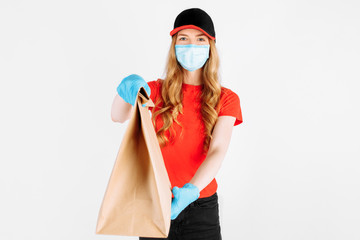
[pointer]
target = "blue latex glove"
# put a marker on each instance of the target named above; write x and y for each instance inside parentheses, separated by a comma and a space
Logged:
(129, 87)
(182, 198)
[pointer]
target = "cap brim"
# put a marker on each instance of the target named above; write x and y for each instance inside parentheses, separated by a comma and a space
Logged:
(175, 30)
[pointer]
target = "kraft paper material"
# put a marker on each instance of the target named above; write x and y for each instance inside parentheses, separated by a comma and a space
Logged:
(137, 200)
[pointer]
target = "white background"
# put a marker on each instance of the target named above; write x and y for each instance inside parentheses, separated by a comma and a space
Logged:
(292, 169)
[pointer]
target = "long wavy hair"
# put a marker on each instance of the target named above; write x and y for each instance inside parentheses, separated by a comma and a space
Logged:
(171, 95)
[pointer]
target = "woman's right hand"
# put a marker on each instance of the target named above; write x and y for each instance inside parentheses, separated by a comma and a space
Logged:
(129, 87)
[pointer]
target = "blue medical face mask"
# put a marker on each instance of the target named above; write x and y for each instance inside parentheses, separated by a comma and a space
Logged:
(191, 56)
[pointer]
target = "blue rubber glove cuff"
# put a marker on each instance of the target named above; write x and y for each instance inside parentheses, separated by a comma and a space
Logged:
(182, 198)
(129, 87)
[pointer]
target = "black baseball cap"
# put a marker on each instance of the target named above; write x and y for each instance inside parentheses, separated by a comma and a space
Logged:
(194, 18)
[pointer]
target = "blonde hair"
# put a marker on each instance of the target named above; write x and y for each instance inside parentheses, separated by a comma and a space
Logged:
(171, 95)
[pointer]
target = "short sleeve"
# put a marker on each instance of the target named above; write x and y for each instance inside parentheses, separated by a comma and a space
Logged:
(230, 106)
(154, 88)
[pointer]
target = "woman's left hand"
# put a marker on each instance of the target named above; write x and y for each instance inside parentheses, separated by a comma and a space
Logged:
(182, 198)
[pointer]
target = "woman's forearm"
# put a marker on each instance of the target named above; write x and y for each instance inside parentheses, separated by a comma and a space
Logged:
(216, 154)
(208, 169)
(120, 110)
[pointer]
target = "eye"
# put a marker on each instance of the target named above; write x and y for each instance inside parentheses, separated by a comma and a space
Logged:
(182, 38)
(201, 39)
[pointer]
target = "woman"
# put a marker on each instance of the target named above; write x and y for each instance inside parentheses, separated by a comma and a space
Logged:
(193, 118)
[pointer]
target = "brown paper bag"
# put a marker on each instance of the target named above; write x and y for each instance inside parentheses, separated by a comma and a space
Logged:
(137, 200)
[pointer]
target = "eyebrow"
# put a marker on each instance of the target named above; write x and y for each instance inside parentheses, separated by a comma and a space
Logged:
(201, 34)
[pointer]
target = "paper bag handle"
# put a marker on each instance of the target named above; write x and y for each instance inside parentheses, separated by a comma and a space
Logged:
(144, 98)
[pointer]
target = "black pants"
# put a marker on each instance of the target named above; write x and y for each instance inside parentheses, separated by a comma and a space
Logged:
(199, 220)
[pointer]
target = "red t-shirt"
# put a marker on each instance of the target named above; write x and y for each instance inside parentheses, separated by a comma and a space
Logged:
(184, 156)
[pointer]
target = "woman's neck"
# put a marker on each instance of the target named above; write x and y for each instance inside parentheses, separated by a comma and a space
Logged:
(194, 77)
